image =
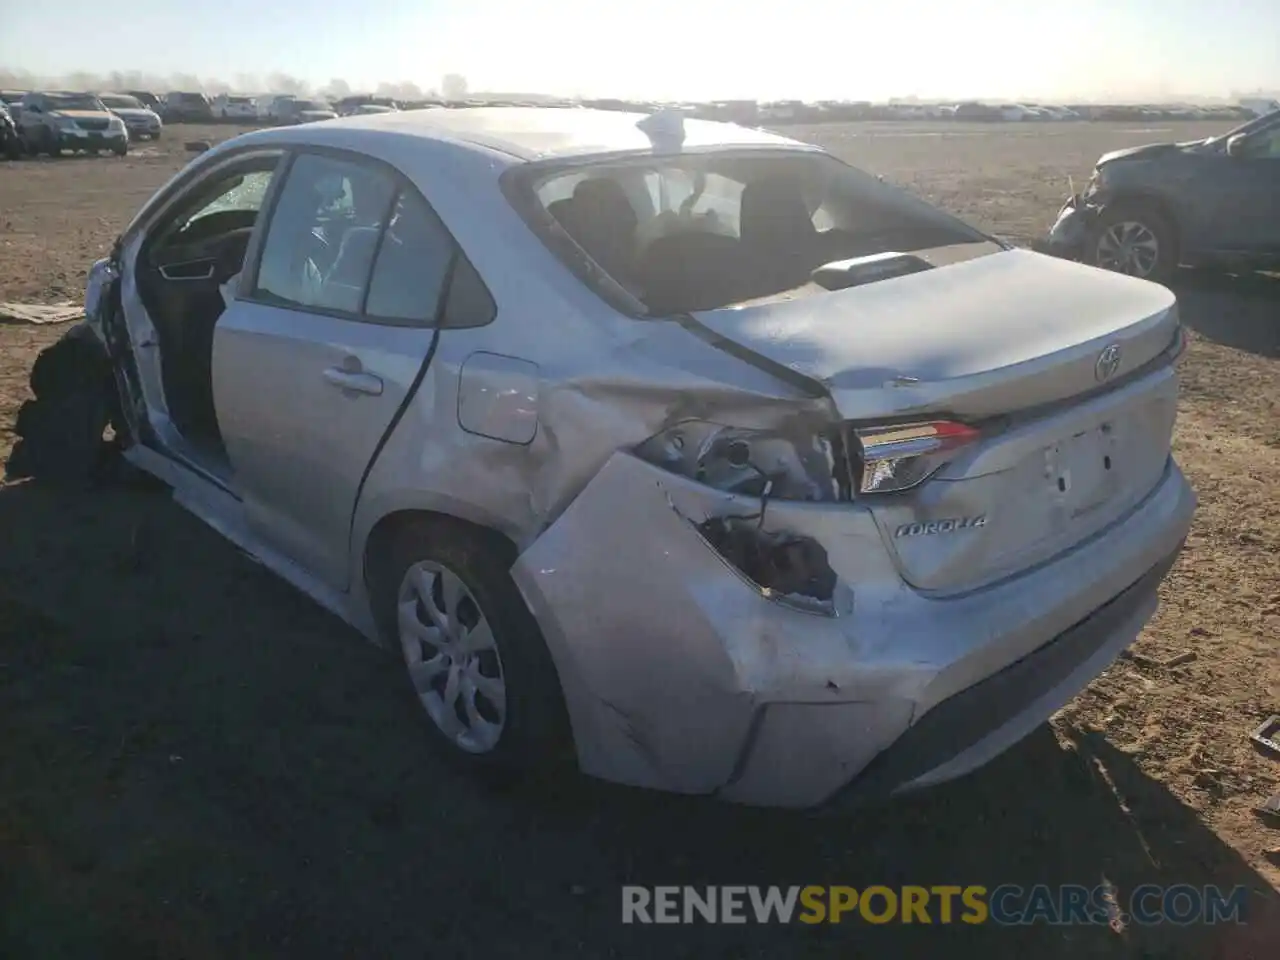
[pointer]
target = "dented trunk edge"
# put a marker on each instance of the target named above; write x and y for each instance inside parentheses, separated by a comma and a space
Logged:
(681, 674)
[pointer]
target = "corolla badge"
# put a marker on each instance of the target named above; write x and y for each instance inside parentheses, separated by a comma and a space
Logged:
(1108, 363)
(929, 528)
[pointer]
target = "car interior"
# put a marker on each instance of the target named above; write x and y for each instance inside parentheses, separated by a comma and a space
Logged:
(328, 230)
(746, 230)
(181, 268)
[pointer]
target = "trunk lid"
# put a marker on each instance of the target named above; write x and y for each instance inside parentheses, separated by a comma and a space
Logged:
(1018, 337)
(988, 336)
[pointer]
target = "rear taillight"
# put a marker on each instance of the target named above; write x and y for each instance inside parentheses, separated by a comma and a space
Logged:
(900, 457)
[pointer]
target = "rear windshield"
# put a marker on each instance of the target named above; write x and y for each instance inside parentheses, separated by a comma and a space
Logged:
(702, 231)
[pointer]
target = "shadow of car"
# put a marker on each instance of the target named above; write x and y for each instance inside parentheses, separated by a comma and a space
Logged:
(195, 752)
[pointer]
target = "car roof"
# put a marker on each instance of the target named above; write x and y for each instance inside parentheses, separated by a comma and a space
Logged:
(521, 133)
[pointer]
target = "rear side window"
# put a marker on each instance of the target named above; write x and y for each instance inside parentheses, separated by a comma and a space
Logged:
(349, 238)
(413, 262)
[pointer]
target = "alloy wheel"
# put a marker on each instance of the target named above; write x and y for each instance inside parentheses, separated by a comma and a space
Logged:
(1128, 247)
(452, 657)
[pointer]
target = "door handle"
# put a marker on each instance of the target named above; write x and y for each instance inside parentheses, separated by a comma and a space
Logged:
(354, 380)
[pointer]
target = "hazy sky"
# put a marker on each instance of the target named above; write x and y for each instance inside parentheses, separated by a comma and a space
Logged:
(675, 48)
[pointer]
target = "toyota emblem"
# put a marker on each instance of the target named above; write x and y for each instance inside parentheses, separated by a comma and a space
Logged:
(1108, 363)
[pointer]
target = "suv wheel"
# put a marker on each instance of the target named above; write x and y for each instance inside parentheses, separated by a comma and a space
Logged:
(474, 654)
(1135, 239)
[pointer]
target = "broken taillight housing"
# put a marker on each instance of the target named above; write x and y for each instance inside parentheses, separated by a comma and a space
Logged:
(757, 463)
(899, 457)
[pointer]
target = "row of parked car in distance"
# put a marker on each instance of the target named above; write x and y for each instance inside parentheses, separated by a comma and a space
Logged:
(58, 121)
(195, 107)
(52, 122)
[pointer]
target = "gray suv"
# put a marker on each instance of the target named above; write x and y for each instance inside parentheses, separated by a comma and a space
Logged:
(1204, 203)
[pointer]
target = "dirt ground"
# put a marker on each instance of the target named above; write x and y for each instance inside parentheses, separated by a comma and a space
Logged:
(197, 762)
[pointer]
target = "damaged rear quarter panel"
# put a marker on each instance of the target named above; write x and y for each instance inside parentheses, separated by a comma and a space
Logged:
(607, 392)
(664, 653)
(662, 703)
(693, 693)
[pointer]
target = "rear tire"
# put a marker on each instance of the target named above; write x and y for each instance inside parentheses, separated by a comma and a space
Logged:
(1135, 238)
(507, 674)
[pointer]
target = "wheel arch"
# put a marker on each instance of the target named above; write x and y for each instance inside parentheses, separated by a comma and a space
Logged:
(379, 529)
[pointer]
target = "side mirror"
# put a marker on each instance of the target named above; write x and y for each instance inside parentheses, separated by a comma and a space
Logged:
(1236, 145)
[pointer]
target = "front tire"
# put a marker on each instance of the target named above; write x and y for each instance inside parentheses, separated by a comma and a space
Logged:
(473, 653)
(62, 431)
(1136, 239)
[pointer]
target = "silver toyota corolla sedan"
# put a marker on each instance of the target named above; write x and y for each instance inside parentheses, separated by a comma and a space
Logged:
(680, 449)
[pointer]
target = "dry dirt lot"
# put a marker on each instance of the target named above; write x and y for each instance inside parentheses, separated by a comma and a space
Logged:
(196, 762)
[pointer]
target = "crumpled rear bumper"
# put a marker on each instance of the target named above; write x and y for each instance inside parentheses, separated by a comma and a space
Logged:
(680, 674)
(973, 726)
